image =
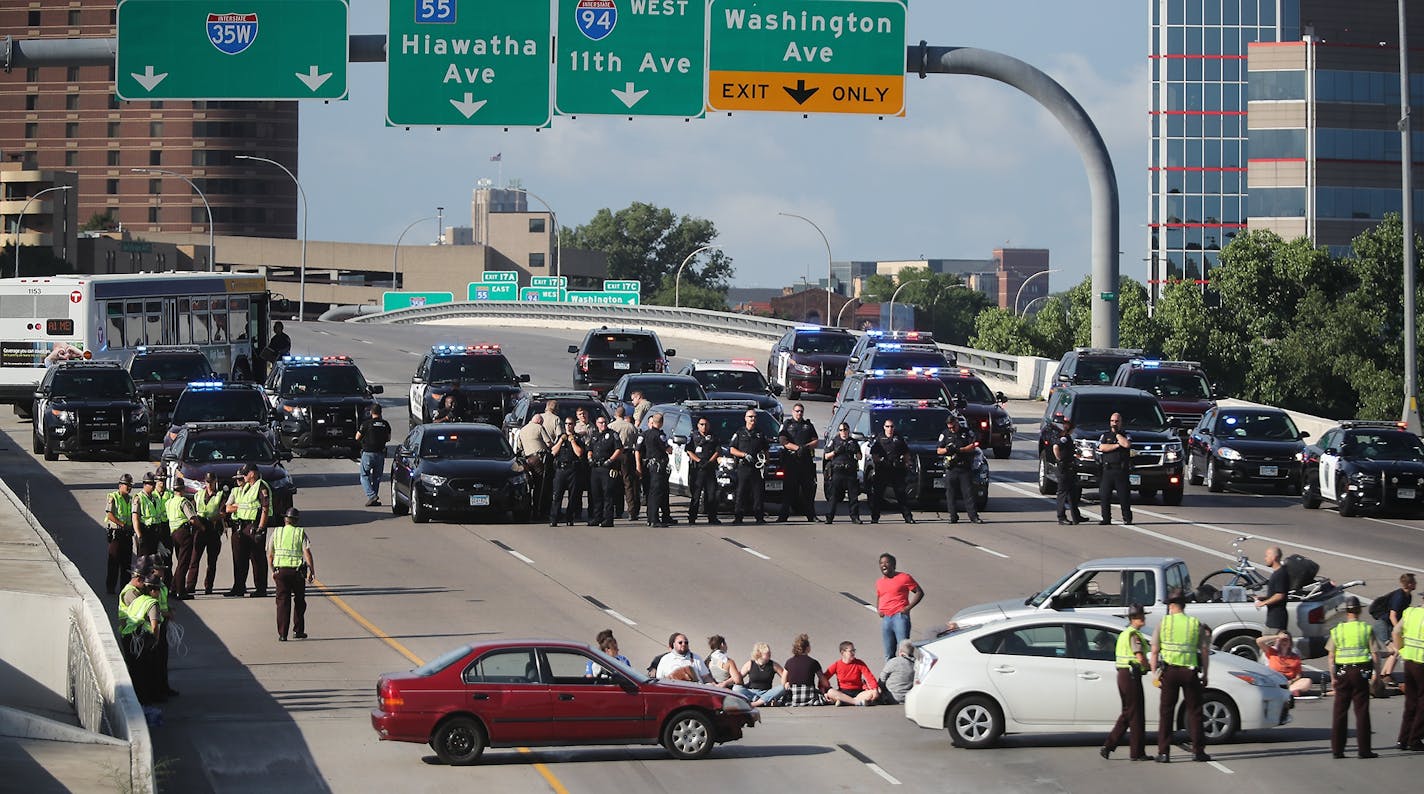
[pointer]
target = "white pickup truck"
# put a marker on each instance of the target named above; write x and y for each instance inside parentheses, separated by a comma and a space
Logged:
(1107, 586)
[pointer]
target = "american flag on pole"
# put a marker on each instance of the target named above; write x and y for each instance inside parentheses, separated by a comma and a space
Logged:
(495, 158)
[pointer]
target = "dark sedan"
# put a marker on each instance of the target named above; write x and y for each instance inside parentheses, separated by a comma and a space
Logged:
(457, 469)
(1245, 446)
(543, 693)
(221, 449)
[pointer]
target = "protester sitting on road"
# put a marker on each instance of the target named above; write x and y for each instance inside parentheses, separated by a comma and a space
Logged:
(1280, 655)
(855, 684)
(681, 664)
(805, 680)
(764, 677)
(898, 674)
(725, 672)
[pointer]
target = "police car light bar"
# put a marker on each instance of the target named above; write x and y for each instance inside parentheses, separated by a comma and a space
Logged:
(925, 370)
(902, 403)
(223, 426)
(206, 384)
(1350, 423)
(809, 328)
(562, 395)
(890, 346)
(314, 359)
(487, 347)
(712, 405)
(875, 334)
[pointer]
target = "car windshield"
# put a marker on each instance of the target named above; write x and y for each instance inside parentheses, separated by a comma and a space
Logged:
(973, 391)
(1173, 384)
(634, 345)
(1383, 445)
(1257, 425)
(472, 369)
(92, 383)
(827, 344)
(921, 425)
(667, 392)
(722, 425)
(902, 389)
(1137, 414)
(1038, 598)
(732, 380)
(1098, 371)
(243, 405)
(310, 381)
(228, 448)
(904, 359)
(166, 369)
(472, 444)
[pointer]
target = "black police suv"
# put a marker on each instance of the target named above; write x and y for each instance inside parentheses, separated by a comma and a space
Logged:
(724, 419)
(480, 377)
(735, 379)
(655, 388)
(217, 401)
(221, 449)
(1092, 366)
(1245, 446)
(982, 408)
(887, 356)
(567, 403)
(892, 384)
(1157, 455)
(458, 469)
(161, 373)
(318, 402)
(809, 359)
(1360, 465)
(89, 406)
(920, 423)
(607, 354)
(1180, 386)
(872, 339)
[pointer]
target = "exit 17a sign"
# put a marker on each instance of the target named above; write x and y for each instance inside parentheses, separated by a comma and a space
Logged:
(252, 50)
(631, 57)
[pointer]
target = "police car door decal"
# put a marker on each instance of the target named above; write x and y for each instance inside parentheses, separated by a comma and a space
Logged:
(782, 363)
(1329, 464)
(678, 474)
(417, 397)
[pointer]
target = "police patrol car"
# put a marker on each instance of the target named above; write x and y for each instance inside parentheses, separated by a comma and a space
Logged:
(724, 419)
(217, 401)
(531, 404)
(485, 382)
(1362, 465)
(734, 379)
(318, 402)
(809, 359)
(872, 339)
(161, 373)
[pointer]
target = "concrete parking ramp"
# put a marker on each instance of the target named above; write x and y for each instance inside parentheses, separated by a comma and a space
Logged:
(69, 720)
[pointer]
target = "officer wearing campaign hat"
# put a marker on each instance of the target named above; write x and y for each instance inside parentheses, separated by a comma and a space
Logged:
(1352, 648)
(251, 507)
(147, 517)
(290, 557)
(118, 513)
(1181, 649)
(1132, 665)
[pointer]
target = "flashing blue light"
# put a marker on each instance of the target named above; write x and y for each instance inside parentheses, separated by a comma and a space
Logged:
(1231, 420)
(1151, 363)
(877, 372)
(875, 333)
(206, 384)
(141, 349)
(809, 328)
(925, 370)
(889, 346)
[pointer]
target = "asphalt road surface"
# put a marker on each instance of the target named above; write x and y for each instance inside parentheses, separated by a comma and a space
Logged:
(258, 715)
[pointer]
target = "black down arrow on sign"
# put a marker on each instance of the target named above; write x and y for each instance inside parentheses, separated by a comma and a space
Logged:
(800, 93)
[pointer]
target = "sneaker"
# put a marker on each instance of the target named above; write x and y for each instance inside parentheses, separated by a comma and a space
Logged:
(372, 501)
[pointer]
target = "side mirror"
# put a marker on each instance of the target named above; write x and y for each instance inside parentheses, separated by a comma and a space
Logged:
(1171, 421)
(1331, 451)
(1305, 434)
(378, 389)
(859, 436)
(670, 352)
(627, 686)
(1000, 397)
(776, 390)
(524, 378)
(1065, 378)
(1065, 601)
(679, 439)
(414, 379)
(573, 348)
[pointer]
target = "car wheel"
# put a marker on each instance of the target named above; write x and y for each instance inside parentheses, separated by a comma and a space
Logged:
(36, 446)
(1346, 503)
(458, 741)
(397, 508)
(1171, 496)
(1309, 499)
(1214, 482)
(1045, 485)
(1220, 721)
(688, 735)
(50, 453)
(1244, 646)
(1003, 453)
(418, 514)
(1193, 476)
(975, 723)
(24, 412)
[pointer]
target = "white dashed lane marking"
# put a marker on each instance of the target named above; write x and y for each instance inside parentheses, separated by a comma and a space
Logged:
(747, 549)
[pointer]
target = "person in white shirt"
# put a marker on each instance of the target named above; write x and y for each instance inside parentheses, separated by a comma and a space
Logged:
(680, 657)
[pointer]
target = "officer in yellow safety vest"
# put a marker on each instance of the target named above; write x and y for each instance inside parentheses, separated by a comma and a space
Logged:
(207, 538)
(118, 513)
(251, 507)
(138, 636)
(289, 553)
(182, 522)
(148, 518)
(1409, 639)
(1352, 648)
(1181, 649)
(1132, 665)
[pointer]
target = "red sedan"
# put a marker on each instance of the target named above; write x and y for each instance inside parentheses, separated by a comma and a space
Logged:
(522, 693)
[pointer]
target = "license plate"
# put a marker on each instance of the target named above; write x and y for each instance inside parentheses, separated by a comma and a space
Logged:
(622, 365)
(1134, 479)
(1269, 471)
(939, 482)
(836, 384)
(773, 485)
(480, 500)
(100, 435)
(1405, 493)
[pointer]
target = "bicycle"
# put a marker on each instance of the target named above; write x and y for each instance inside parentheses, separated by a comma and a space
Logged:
(1243, 573)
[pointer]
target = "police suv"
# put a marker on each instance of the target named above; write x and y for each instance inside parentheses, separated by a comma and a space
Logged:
(161, 373)
(809, 359)
(734, 379)
(724, 419)
(217, 401)
(89, 406)
(1180, 386)
(531, 404)
(859, 356)
(480, 376)
(318, 402)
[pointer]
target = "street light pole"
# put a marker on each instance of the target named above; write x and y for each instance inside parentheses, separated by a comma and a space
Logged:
(828, 255)
(395, 252)
(677, 281)
(1019, 294)
(23, 210)
(302, 274)
(841, 313)
(553, 216)
(1406, 216)
(1032, 302)
(212, 249)
(896, 293)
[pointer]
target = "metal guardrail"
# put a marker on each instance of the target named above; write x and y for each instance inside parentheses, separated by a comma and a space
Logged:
(84, 694)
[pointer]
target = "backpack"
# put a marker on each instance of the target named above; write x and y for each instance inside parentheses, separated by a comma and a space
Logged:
(1300, 570)
(1380, 606)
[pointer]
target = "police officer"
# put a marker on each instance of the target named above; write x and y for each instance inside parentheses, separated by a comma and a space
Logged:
(1131, 667)
(118, 515)
(289, 556)
(1181, 650)
(625, 501)
(652, 457)
(890, 456)
(148, 517)
(956, 445)
(798, 443)
(207, 539)
(842, 456)
(448, 410)
(749, 446)
(141, 624)
(565, 456)
(1115, 447)
(605, 459)
(1352, 648)
(251, 509)
(1070, 490)
(582, 473)
(703, 452)
(182, 522)
(1409, 639)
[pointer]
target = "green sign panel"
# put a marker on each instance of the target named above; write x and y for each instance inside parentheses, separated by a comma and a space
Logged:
(255, 49)
(390, 301)
(631, 57)
(500, 277)
(1108, 296)
(468, 62)
(548, 281)
(485, 292)
(603, 298)
(542, 294)
(610, 285)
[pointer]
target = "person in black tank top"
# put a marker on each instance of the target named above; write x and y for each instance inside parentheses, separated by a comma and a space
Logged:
(763, 677)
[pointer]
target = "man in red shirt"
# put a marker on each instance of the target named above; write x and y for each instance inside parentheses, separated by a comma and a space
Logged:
(855, 684)
(896, 593)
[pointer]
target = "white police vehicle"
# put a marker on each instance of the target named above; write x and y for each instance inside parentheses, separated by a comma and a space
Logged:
(479, 374)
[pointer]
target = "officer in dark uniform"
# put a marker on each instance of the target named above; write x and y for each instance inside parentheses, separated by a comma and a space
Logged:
(956, 445)
(651, 451)
(1115, 447)
(703, 451)
(1070, 490)
(842, 456)
(564, 457)
(605, 458)
(890, 456)
(749, 447)
(449, 409)
(798, 442)
(118, 518)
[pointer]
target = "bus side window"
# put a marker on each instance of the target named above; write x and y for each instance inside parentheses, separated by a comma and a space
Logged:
(237, 317)
(133, 324)
(200, 321)
(115, 319)
(153, 322)
(185, 335)
(219, 306)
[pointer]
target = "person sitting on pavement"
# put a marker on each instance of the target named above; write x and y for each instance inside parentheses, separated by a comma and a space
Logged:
(898, 674)
(681, 664)
(805, 681)
(763, 677)
(1280, 655)
(725, 672)
(855, 684)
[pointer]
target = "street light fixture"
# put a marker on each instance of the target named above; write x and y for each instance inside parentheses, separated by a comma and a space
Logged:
(212, 249)
(828, 255)
(25, 209)
(395, 252)
(1019, 294)
(841, 313)
(302, 274)
(554, 217)
(677, 281)
(1032, 302)
(896, 293)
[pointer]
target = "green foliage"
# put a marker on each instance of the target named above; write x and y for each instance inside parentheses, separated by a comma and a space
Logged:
(999, 330)
(648, 243)
(100, 222)
(35, 260)
(944, 304)
(692, 296)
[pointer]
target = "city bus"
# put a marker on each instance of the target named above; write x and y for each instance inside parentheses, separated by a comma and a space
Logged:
(49, 319)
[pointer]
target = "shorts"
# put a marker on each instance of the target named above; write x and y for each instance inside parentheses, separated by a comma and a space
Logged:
(853, 693)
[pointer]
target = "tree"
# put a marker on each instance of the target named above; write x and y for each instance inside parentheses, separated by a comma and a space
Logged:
(1001, 331)
(648, 243)
(693, 296)
(100, 222)
(945, 305)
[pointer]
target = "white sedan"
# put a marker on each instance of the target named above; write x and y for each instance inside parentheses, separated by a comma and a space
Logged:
(1056, 674)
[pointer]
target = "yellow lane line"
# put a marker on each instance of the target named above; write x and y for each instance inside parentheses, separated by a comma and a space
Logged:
(375, 631)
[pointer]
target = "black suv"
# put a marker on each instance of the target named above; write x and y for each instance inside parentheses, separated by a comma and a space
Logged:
(1362, 465)
(1092, 366)
(318, 402)
(479, 375)
(1157, 455)
(900, 355)
(531, 404)
(89, 406)
(920, 423)
(161, 374)
(217, 401)
(608, 354)
(221, 449)
(809, 359)
(873, 339)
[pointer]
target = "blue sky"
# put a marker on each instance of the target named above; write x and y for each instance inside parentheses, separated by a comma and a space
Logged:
(972, 166)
